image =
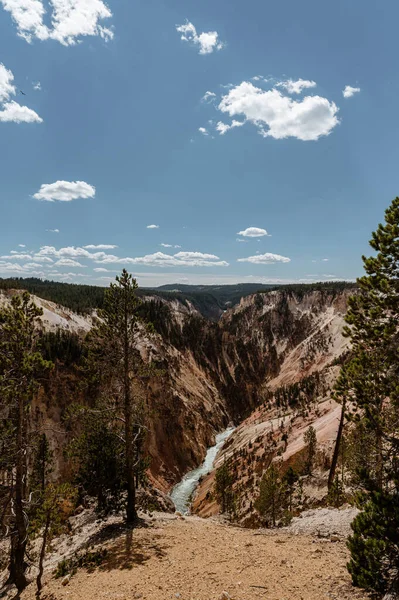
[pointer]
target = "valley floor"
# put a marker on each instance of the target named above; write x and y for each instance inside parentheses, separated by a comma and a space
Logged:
(198, 559)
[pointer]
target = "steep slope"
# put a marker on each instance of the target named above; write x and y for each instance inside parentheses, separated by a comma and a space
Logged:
(303, 334)
(213, 373)
(185, 407)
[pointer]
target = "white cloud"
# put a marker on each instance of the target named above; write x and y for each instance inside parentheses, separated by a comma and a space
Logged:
(7, 88)
(167, 245)
(253, 232)
(279, 116)
(296, 87)
(325, 259)
(70, 19)
(159, 259)
(100, 270)
(350, 91)
(15, 113)
(6, 267)
(67, 262)
(70, 256)
(37, 86)
(242, 241)
(65, 191)
(152, 226)
(32, 265)
(223, 127)
(71, 252)
(265, 259)
(11, 111)
(207, 42)
(53, 230)
(100, 247)
(203, 130)
(17, 256)
(208, 96)
(22, 245)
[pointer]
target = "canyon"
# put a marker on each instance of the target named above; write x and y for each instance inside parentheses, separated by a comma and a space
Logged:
(266, 366)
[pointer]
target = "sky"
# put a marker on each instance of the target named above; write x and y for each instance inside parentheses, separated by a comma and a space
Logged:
(195, 142)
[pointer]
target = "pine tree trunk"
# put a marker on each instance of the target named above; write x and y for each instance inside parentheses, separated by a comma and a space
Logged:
(334, 461)
(19, 539)
(42, 555)
(393, 593)
(131, 514)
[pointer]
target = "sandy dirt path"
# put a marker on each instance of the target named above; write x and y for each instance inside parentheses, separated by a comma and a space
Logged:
(198, 559)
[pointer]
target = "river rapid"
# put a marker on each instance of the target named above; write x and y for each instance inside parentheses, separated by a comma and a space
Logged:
(183, 491)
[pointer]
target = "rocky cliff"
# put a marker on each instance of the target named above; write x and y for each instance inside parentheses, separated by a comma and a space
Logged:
(240, 369)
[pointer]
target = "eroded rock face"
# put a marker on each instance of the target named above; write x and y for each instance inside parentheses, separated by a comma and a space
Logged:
(214, 372)
(303, 334)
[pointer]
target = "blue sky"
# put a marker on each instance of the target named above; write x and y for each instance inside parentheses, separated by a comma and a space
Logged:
(121, 134)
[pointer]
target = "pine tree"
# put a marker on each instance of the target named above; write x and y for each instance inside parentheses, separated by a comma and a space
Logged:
(370, 387)
(21, 371)
(110, 452)
(310, 440)
(290, 480)
(271, 501)
(224, 481)
(50, 520)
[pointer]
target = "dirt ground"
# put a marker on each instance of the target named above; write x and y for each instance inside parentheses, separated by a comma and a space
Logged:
(198, 559)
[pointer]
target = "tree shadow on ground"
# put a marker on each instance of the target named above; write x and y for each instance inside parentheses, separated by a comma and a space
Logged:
(127, 552)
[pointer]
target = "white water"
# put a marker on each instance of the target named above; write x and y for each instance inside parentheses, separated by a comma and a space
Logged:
(182, 492)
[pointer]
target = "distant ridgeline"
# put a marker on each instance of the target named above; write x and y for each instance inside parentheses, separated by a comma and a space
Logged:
(210, 300)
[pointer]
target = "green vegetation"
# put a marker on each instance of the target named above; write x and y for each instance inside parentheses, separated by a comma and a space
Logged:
(22, 369)
(310, 440)
(368, 390)
(271, 501)
(109, 450)
(224, 481)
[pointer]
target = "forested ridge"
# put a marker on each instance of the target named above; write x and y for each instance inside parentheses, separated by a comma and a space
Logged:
(210, 301)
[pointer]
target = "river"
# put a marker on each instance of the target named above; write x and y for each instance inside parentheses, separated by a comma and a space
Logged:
(182, 492)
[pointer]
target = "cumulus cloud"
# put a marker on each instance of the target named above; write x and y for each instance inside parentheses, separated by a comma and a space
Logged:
(206, 42)
(27, 269)
(152, 226)
(71, 256)
(350, 91)
(253, 232)
(71, 252)
(22, 245)
(185, 259)
(100, 247)
(296, 87)
(65, 191)
(67, 262)
(70, 19)
(203, 130)
(37, 86)
(14, 112)
(265, 259)
(100, 270)
(279, 116)
(11, 111)
(7, 88)
(223, 127)
(53, 230)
